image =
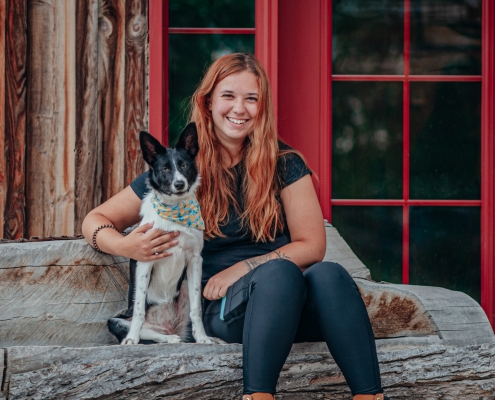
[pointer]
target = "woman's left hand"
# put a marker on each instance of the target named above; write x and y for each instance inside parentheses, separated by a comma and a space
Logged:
(217, 286)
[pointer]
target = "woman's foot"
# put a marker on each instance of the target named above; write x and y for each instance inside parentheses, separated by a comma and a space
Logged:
(378, 396)
(258, 396)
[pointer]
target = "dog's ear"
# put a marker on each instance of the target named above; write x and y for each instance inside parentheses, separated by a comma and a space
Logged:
(188, 140)
(150, 147)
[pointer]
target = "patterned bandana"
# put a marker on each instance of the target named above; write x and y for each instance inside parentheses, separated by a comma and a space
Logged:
(186, 213)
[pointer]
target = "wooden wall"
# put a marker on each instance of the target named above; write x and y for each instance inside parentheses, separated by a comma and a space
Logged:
(72, 103)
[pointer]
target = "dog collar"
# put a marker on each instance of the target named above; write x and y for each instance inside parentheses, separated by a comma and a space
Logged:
(186, 213)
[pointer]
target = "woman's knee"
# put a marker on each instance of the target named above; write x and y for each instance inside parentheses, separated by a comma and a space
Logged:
(330, 274)
(279, 273)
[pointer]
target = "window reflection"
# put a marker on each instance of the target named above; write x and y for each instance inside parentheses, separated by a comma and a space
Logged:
(445, 248)
(445, 140)
(211, 13)
(367, 140)
(375, 235)
(446, 37)
(368, 36)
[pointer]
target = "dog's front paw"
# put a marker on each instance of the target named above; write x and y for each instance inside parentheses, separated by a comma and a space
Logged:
(130, 341)
(205, 340)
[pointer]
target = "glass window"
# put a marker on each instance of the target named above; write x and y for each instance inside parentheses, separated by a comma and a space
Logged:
(367, 140)
(211, 13)
(375, 235)
(446, 37)
(446, 140)
(445, 248)
(368, 37)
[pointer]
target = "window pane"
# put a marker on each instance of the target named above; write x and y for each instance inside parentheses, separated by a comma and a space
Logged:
(445, 140)
(446, 37)
(211, 13)
(367, 140)
(368, 37)
(375, 235)
(445, 248)
(190, 56)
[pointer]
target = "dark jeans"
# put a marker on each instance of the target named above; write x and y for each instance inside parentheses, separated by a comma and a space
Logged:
(287, 306)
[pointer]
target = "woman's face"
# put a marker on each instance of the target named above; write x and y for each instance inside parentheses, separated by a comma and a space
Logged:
(233, 106)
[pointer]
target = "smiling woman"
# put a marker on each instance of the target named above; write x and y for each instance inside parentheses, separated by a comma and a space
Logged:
(234, 107)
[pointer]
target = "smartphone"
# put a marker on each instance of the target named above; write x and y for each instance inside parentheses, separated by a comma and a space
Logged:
(222, 309)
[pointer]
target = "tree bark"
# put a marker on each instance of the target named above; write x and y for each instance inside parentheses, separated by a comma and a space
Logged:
(135, 77)
(111, 83)
(191, 371)
(15, 118)
(3, 165)
(51, 118)
(88, 170)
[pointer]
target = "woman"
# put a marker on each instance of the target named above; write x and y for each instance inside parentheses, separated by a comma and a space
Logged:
(264, 226)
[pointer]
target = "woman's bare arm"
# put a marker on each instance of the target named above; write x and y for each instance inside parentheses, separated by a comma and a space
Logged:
(122, 211)
(307, 231)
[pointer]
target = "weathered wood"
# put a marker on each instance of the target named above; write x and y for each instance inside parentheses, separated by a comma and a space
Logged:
(410, 310)
(33, 277)
(135, 78)
(3, 166)
(179, 372)
(88, 168)
(15, 117)
(338, 251)
(59, 292)
(51, 118)
(111, 83)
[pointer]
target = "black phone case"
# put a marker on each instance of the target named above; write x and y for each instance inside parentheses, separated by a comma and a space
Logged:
(236, 300)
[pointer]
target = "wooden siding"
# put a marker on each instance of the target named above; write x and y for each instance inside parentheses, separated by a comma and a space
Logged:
(72, 103)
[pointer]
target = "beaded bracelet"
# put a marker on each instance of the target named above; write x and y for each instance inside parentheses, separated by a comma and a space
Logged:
(95, 246)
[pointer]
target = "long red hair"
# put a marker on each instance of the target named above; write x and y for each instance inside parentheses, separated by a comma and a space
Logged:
(262, 211)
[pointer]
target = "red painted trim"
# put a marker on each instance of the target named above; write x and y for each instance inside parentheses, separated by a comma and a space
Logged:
(411, 203)
(157, 66)
(266, 43)
(488, 161)
(325, 173)
(411, 78)
(406, 141)
(212, 31)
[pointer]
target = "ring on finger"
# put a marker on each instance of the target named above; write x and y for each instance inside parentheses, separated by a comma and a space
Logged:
(156, 252)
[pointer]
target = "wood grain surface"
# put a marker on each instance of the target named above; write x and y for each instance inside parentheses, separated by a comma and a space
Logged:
(191, 371)
(3, 165)
(135, 78)
(51, 118)
(15, 117)
(88, 168)
(111, 101)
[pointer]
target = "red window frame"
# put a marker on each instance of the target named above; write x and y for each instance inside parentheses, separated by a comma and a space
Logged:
(266, 35)
(487, 79)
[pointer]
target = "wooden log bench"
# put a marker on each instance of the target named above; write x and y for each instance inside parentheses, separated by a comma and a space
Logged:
(56, 296)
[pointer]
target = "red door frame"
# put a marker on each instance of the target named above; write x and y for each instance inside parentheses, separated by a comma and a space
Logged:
(267, 44)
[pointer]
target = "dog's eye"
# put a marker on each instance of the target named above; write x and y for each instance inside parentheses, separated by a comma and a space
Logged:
(166, 168)
(183, 166)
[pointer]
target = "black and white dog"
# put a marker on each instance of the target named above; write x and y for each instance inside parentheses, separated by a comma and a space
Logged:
(160, 303)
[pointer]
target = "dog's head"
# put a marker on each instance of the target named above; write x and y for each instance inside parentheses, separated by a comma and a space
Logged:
(172, 170)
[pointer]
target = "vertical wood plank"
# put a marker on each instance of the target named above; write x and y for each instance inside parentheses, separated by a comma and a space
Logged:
(135, 83)
(88, 139)
(51, 118)
(3, 165)
(15, 117)
(111, 82)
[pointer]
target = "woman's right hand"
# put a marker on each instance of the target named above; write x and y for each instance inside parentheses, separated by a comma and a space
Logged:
(143, 242)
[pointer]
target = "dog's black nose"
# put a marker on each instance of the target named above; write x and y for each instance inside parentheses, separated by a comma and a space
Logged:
(179, 185)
